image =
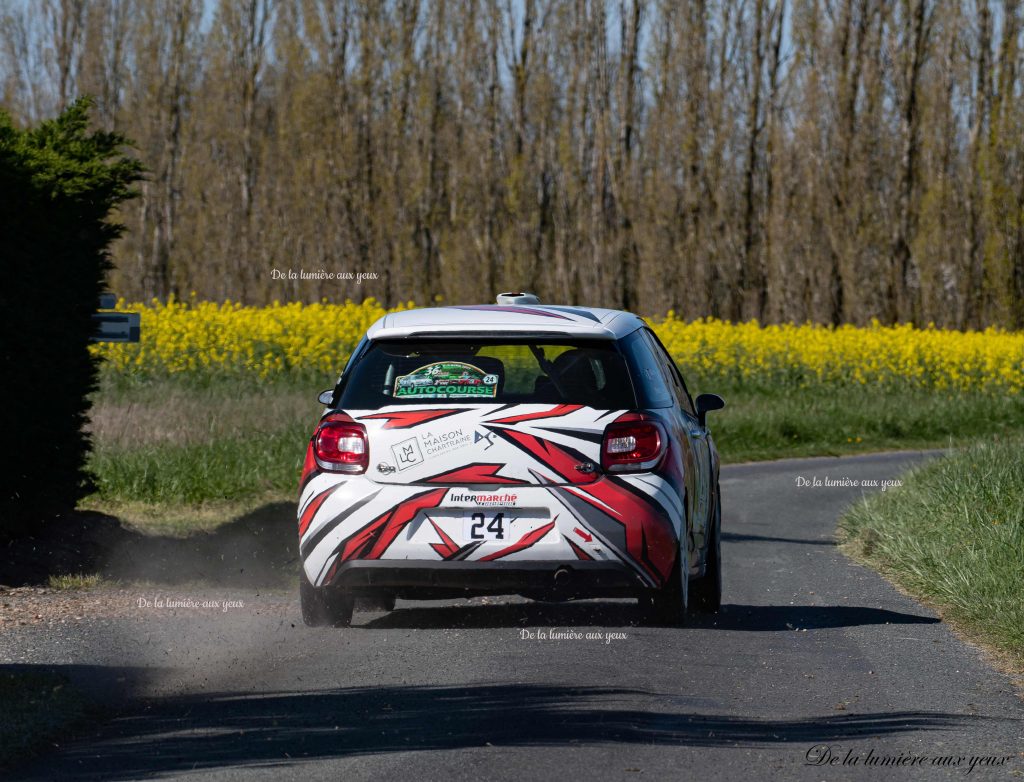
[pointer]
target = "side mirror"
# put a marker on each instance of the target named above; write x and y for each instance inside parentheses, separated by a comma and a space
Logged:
(326, 397)
(705, 404)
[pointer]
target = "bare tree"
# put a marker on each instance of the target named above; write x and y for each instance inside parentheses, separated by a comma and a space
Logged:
(779, 159)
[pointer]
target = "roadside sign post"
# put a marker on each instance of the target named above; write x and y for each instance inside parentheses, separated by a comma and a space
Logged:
(115, 326)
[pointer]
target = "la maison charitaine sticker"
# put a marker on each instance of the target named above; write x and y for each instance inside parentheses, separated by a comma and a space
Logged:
(447, 380)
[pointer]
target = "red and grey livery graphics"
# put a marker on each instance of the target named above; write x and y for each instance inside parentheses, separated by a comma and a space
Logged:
(626, 519)
(407, 419)
(532, 453)
(477, 473)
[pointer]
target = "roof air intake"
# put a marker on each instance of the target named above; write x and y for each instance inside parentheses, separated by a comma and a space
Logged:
(509, 299)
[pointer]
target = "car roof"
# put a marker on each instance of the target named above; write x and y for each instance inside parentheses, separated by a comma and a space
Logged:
(499, 319)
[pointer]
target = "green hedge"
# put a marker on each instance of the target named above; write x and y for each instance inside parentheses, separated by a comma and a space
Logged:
(58, 184)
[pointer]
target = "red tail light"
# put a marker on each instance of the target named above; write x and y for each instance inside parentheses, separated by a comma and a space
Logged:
(341, 446)
(632, 443)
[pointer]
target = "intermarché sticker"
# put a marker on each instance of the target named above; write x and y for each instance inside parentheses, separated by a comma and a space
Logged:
(447, 380)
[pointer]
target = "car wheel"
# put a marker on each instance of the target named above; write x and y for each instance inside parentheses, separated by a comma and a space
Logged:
(668, 605)
(706, 591)
(321, 608)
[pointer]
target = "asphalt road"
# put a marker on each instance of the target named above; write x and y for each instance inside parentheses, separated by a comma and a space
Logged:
(810, 651)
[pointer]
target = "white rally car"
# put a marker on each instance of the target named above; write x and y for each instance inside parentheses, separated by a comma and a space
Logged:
(552, 452)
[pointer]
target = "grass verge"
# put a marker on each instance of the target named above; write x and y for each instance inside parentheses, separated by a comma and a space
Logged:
(777, 423)
(38, 708)
(953, 535)
(224, 471)
(174, 457)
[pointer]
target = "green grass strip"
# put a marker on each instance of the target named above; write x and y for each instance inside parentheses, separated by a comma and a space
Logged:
(954, 536)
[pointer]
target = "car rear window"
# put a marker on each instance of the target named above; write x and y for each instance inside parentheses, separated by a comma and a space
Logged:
(584, 372)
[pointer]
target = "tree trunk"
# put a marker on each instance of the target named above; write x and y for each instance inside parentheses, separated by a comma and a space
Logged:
(905, 303)
(751, 282)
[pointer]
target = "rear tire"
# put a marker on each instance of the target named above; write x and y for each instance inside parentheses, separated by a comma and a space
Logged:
(668, 605)
(324, 607)
(706, 591)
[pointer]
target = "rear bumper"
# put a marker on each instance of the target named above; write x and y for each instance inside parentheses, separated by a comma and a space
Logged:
(427, 580)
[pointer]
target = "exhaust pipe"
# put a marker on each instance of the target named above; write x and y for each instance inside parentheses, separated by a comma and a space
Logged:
(562, 576)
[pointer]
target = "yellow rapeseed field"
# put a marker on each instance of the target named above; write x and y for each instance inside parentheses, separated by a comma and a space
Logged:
(899, 356)
(204, 338)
